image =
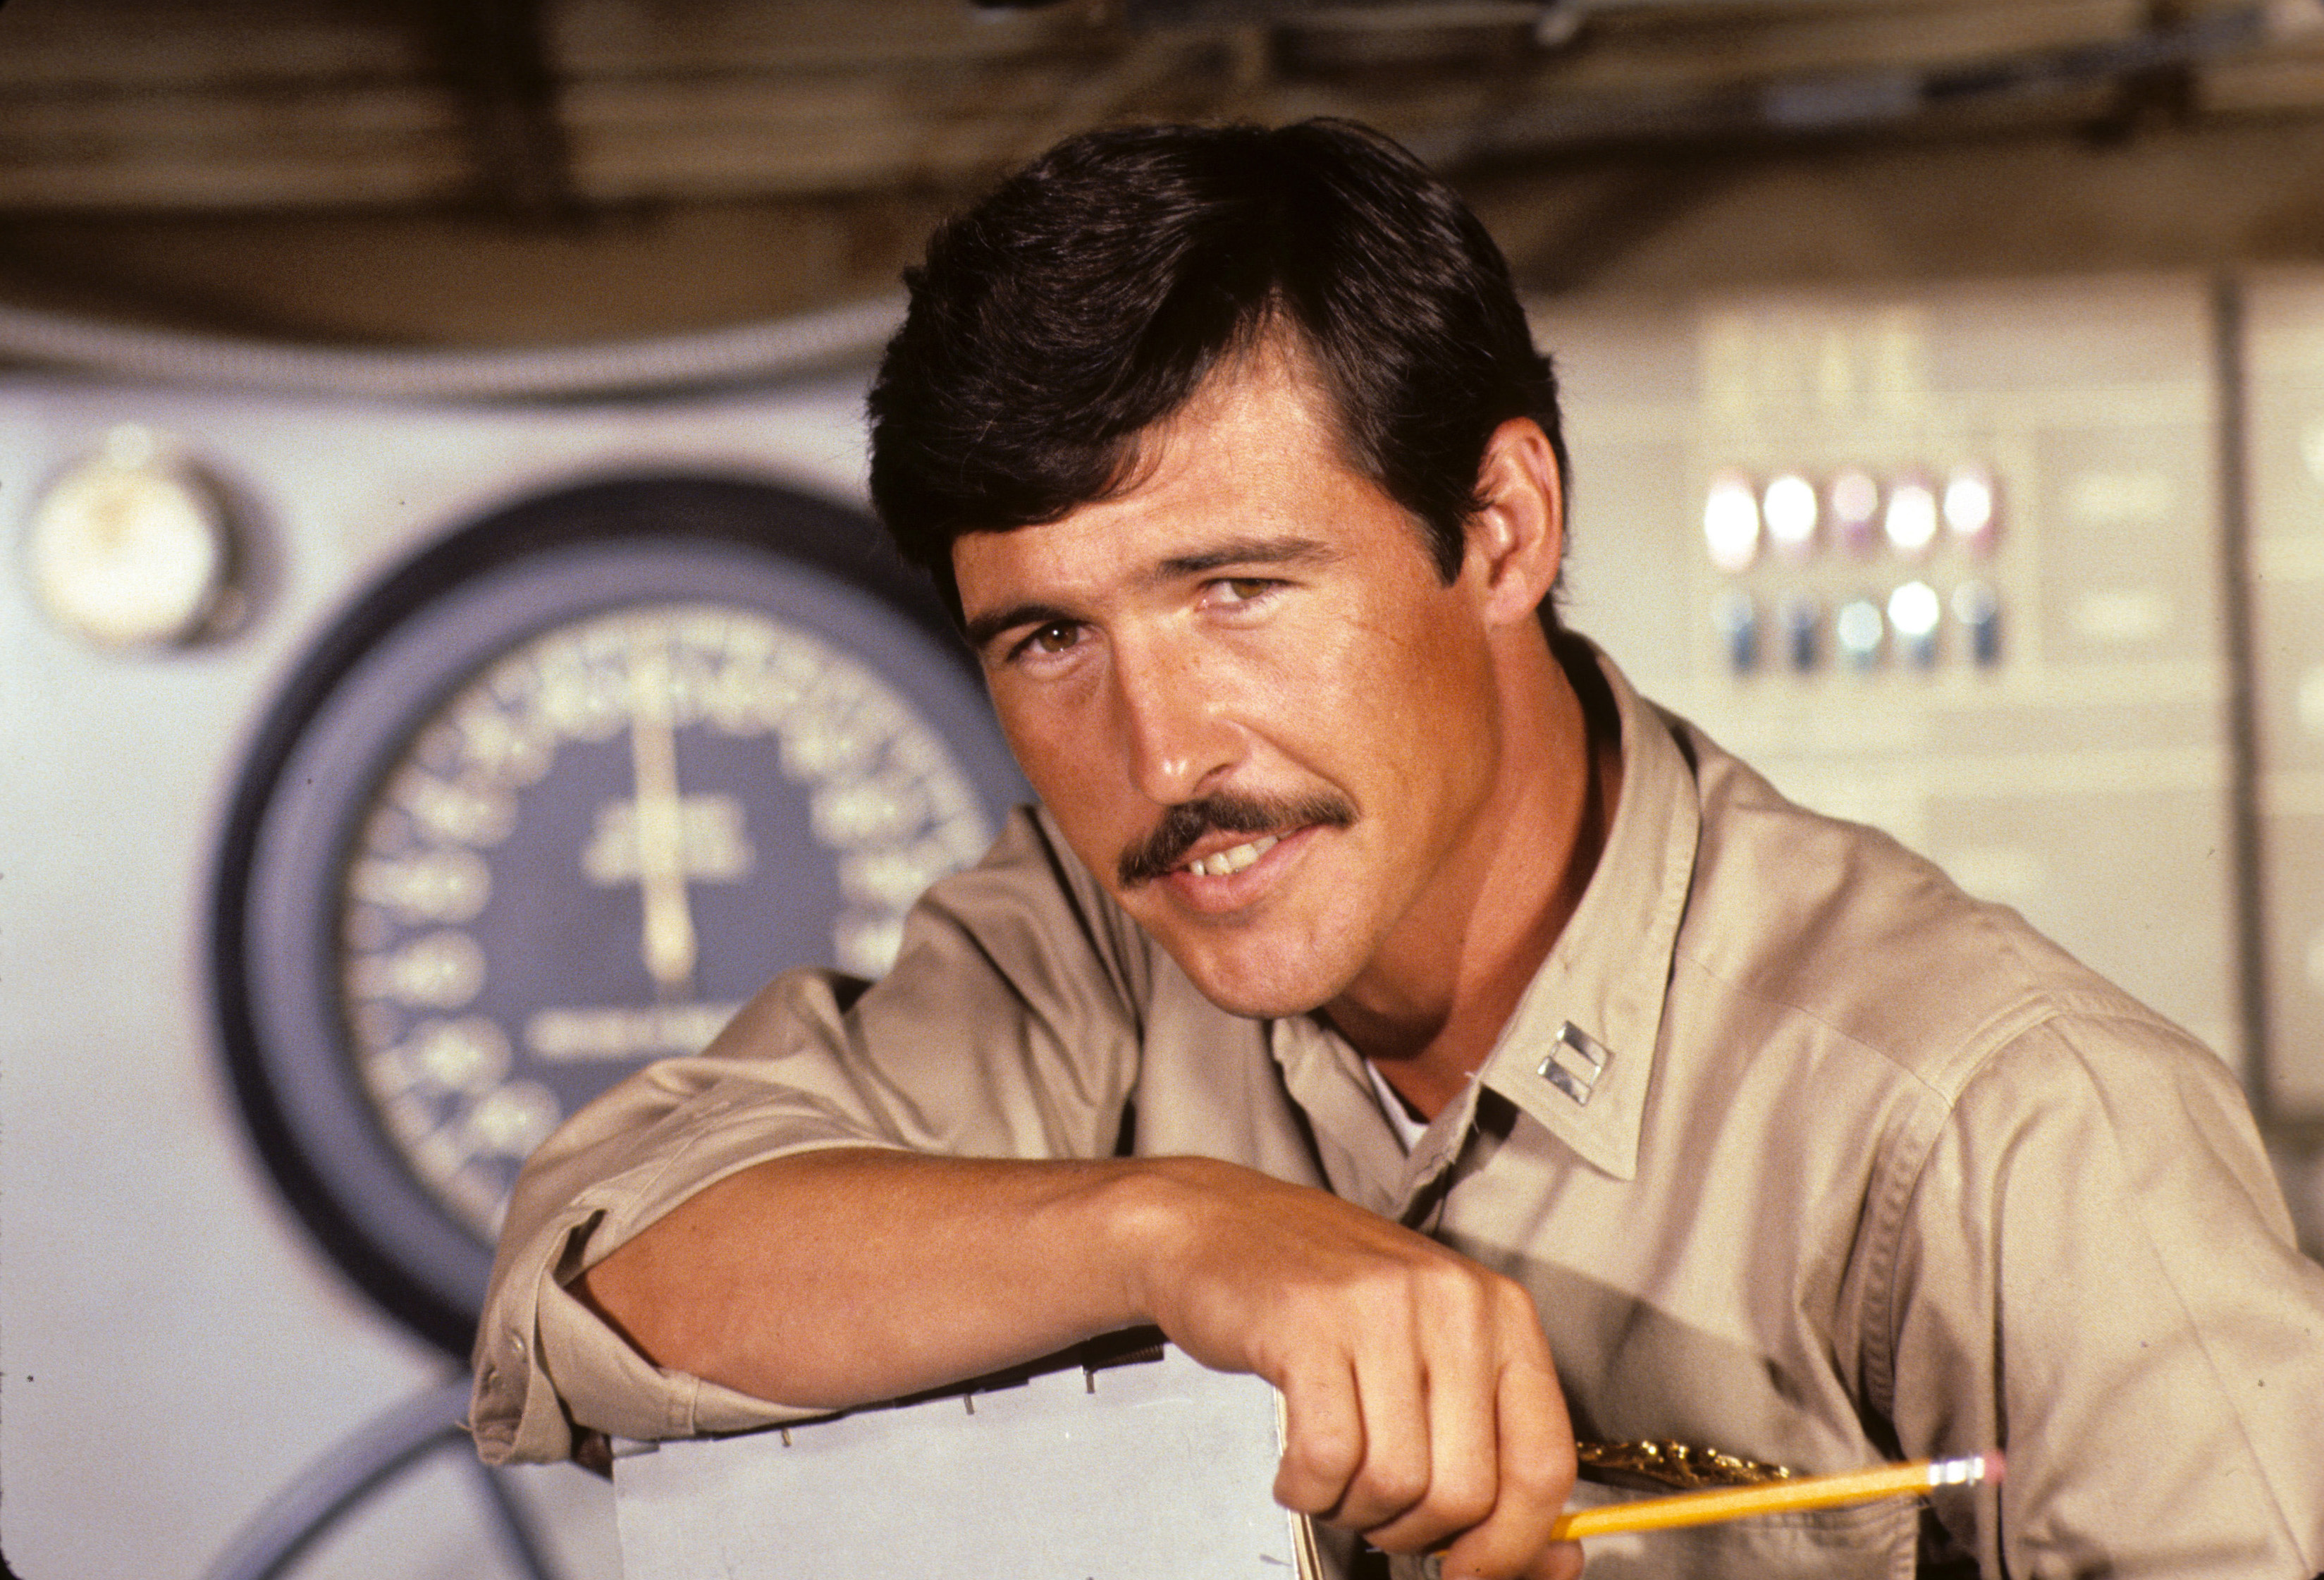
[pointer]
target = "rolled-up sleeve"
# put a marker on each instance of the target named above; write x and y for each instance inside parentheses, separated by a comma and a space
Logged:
(1008, 1028)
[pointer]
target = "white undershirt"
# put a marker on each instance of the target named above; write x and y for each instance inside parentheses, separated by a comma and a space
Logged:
(1408, 1129)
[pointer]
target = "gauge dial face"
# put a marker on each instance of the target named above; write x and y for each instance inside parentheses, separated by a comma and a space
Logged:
(561, 818)
(591, 809)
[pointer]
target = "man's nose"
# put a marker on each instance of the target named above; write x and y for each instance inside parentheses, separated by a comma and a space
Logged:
(1173, 723)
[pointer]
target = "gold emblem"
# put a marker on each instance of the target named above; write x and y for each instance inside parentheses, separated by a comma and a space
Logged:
(1681, 1466)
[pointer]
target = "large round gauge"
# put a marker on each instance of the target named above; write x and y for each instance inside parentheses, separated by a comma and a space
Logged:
(549, 804)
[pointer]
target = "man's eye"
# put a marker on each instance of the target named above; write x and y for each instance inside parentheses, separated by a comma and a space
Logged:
(1052, 638)
(1242, 590)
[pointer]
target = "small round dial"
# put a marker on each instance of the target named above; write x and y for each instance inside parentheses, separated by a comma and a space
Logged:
(517, 834)
(131, 547)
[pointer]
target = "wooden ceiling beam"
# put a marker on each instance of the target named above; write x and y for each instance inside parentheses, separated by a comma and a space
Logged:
(493, 53)
(541, 106)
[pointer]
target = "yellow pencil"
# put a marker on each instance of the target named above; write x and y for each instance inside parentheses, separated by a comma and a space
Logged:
(1815, 1492)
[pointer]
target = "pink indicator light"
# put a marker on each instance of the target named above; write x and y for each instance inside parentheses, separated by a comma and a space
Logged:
(1855, 500)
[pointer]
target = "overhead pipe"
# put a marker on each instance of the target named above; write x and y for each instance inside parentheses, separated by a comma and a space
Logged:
(747, 354)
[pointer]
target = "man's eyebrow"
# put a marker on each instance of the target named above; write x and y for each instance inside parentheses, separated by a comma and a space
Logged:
(1247, 551)
(982, 630)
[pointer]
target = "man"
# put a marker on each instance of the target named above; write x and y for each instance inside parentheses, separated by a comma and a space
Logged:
(1386, 1001)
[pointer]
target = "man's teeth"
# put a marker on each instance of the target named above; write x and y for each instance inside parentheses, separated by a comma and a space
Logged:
(1231, 860)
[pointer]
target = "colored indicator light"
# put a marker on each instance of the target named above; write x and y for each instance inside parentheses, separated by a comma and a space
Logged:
(1858, 628)
(1911, 520)
(1802, 631)
(1978, 609)
(1855, 509)
(1789, 507)
(1915, 611)
(1730, 522)
(1969, 512)
(1738, 620)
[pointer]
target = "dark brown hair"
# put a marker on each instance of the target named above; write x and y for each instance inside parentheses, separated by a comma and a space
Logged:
(1089, 296)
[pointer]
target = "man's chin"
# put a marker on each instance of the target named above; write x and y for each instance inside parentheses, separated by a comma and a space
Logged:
(1250, 988)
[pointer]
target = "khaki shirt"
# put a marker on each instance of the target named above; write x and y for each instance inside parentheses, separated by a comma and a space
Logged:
(1870, 1170)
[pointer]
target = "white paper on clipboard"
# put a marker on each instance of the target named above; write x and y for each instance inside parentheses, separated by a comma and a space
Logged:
(1148, 1470)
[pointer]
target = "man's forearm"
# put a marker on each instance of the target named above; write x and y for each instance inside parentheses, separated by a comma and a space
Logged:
(838, 1278)
(1421, 1404)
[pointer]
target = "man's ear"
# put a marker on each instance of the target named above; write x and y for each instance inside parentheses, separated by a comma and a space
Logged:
(1519, 535)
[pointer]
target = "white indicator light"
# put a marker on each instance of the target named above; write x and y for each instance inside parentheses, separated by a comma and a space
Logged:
(1911, 520)
(1859, 629)
(1730, 522)
(1969, 504)
(1790, 508)
(1915, 611)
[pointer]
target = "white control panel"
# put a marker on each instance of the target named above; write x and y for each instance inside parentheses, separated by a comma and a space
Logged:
(1948, 562)
(2284, 412)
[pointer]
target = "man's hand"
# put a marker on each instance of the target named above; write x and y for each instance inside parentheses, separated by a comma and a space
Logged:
(1423, 1407)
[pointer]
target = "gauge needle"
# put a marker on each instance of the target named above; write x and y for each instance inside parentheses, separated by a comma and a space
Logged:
(670, 948)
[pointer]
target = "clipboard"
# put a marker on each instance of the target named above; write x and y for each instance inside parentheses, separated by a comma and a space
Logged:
(1129, 1461)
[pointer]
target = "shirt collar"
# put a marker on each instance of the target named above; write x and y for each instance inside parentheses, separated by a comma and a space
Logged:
(1606, 975)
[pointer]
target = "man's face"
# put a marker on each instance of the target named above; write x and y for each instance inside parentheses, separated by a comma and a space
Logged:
(1247, 698)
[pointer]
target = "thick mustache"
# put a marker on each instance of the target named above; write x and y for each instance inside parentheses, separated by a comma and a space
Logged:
(1185, 825)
